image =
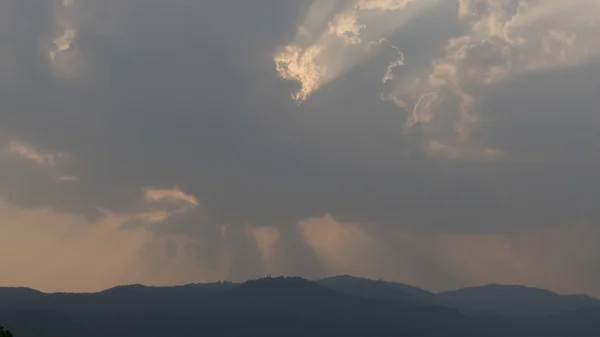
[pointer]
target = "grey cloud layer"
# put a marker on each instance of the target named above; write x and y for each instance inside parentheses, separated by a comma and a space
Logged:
(155, 94)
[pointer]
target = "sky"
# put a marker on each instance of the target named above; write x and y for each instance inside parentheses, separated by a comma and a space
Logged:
(439, 143)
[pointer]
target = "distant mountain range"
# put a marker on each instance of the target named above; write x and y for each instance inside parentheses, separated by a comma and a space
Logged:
(510, 300)
(269, 307)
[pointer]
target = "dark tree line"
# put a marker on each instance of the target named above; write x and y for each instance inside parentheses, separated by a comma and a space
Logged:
(5, 333)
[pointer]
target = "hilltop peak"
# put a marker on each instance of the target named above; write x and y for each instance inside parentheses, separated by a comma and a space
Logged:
(280, 281)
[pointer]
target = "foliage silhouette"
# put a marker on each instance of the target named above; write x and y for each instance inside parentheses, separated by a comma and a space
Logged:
(5, 332)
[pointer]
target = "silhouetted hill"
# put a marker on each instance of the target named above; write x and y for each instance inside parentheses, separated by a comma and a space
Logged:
(287, 286)
(514, 300)
(578, 323)
(35, 323)
(297, 307)
(292, 307)
(20, 298)
(382, 290)
(266, 307)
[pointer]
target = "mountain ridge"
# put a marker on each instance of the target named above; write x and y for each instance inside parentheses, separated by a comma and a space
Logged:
(271, 306)
(320, 280)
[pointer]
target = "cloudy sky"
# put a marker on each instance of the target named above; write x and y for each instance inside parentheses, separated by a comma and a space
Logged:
(440, 143)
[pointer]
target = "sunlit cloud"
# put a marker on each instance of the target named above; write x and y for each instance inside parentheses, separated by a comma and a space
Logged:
(174, 195)
(30, 153)
(302, 66)
(63, 43)
(65, 57)
(159, 206)
(504, 39)
(317, 57)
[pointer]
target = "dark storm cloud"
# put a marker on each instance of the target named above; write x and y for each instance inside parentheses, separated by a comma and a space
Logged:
(186, 93)
(549, 115)
(161, 99)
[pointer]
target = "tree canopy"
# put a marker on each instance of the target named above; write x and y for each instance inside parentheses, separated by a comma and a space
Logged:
(4, 332)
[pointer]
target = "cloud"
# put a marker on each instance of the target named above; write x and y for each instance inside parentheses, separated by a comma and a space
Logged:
(421, 118)
(65, 56)
(385, 5)
(63, 43)
(299, 65)
(67, 178)
(500, 41)
(27, 152)
(52, 163)
(174, 195)
(160, 207)
(320, 55)
(503, 39)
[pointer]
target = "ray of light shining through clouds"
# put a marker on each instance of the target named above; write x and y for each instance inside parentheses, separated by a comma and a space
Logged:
(439, 143)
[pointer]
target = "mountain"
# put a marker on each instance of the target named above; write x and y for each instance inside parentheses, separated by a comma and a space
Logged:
(20, 298)
(510, 300)
(265, 307)
(514, 300)
(578, 323)
(34, 323)
(381, 290)
(295, 307)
